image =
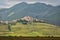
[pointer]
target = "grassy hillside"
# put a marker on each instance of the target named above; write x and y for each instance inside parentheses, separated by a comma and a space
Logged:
(34, 29)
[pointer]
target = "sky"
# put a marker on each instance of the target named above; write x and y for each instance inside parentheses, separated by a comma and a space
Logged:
(10, 3)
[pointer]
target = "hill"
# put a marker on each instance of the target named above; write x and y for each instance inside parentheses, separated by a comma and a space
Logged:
(35, 29)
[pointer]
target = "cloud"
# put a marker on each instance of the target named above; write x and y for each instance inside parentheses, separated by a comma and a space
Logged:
(37, 0)
(24, 0)
(9, 3)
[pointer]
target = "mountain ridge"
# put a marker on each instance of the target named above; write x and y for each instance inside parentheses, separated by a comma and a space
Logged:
(38, 10)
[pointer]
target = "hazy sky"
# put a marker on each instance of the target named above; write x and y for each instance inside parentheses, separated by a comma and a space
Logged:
(9, 3)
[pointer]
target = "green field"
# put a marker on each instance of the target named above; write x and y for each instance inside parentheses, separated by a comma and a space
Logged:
(34, 29)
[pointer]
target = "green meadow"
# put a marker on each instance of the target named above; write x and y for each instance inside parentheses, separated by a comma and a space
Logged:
(34, 29)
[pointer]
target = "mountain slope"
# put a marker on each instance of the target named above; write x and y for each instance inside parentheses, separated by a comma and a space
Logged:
(24, 9)
(53, 16)
(3, 14)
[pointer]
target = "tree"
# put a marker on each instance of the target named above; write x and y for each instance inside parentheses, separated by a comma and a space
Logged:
(24, 21)
(9, 27)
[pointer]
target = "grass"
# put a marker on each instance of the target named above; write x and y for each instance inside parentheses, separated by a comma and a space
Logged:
(34, 29)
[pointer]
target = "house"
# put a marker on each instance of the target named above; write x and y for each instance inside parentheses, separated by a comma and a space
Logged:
(27, 19)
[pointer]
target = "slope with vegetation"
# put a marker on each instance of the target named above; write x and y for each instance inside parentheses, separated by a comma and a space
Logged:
(34, 29)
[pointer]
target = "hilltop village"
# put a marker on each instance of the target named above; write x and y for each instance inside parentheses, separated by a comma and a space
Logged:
(25, 20)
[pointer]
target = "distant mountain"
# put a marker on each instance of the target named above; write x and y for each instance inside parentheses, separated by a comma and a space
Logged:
(3, 13)
(53, 16)
(24, 9)
(48, 13)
